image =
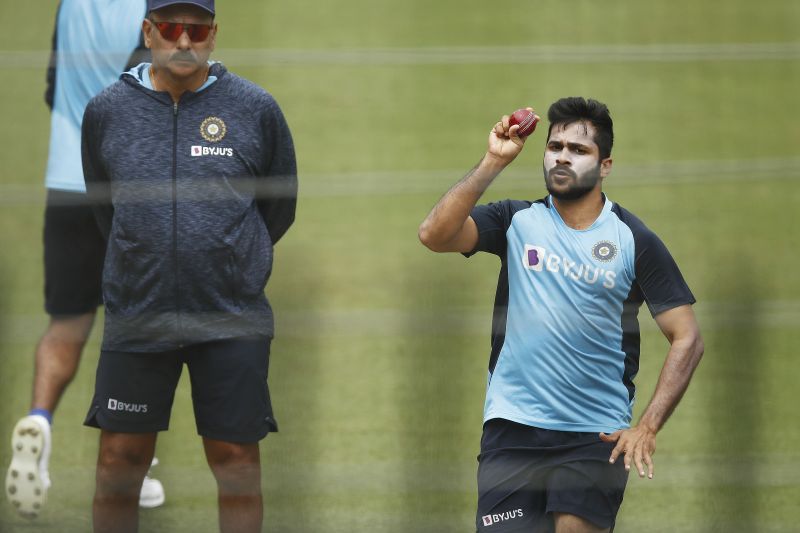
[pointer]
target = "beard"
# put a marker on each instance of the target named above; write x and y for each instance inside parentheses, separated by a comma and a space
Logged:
(579, 186)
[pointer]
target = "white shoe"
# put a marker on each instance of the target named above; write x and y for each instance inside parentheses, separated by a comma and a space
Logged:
(27, 479)
(152, 494)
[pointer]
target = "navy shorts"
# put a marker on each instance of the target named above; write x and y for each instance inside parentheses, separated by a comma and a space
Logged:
(74, 250)
(134, 391)
(525, 474)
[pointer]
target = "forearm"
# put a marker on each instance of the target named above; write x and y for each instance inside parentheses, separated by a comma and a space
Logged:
(682, 360)
(278, 213)
(443, 224)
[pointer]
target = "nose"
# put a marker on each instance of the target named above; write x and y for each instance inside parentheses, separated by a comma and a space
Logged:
(183, 42)
(562, 158)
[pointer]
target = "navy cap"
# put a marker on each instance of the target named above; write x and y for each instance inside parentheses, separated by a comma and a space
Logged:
(208, 5)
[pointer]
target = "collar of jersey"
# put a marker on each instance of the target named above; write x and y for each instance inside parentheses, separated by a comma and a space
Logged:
(607, 205)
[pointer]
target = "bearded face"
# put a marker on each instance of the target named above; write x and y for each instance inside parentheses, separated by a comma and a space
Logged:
(572, 167)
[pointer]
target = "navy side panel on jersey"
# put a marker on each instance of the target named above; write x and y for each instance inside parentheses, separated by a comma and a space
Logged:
(493, 221)
(565, 338)
(659, 283)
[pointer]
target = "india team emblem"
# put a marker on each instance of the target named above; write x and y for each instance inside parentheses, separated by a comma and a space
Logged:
(604, 251)
(213, 129)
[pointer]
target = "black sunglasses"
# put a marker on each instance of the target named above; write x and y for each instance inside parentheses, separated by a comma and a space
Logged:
(172, 31)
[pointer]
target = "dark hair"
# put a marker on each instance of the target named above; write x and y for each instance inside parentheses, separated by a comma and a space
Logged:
(573, 109)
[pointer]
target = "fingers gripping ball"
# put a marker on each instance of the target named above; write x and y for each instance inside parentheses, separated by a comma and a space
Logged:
(526, 119)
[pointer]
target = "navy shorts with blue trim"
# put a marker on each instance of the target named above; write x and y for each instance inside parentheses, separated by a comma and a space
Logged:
(134, 391)
(525, 474)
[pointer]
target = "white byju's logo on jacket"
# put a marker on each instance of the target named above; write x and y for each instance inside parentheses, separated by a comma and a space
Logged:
(200, 151)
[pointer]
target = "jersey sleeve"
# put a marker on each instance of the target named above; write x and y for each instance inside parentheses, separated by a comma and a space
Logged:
(50, 89)
(493, 221)
(657, 274)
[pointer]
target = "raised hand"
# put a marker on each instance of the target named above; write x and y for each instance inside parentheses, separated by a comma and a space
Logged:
(504, 142)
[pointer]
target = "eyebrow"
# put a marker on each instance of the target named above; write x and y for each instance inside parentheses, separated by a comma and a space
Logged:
(570, 145)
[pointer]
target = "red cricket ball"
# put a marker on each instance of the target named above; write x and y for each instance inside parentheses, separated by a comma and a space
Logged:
(526, 119)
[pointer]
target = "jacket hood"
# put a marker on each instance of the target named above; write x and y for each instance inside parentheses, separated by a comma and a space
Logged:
(139, 74)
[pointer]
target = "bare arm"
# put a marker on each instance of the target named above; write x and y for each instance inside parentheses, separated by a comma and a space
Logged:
(449, 227)
(638, 443)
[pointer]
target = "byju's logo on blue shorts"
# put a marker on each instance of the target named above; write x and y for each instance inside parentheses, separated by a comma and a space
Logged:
(116, 405)
(491, 519)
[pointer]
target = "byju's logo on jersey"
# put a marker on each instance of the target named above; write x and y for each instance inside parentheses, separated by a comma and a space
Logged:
(604, 251)
(537, 259)
(490, 519)
(200, 151)
(533, 259)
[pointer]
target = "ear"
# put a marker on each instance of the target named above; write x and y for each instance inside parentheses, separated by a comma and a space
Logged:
(213, 39)
(147, 28)
(605, 167)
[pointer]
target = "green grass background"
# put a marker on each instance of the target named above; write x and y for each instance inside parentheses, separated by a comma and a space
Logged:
(378, 369)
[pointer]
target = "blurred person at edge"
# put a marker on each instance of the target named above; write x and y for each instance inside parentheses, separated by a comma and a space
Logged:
(93, 44)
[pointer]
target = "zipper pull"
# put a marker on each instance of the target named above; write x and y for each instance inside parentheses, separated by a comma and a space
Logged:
(175, 108)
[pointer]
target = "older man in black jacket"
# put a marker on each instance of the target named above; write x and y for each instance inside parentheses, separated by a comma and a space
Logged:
(192, 172)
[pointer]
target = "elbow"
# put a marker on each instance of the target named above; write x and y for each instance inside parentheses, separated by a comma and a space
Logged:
(424, 235)
(428, 238)
(699, 347)
(696, 348)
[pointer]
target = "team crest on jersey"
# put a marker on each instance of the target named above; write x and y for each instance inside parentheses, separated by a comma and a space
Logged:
(604, 251)
(213, 129)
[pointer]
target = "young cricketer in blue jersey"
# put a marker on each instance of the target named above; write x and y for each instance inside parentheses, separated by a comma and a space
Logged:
(575, 269)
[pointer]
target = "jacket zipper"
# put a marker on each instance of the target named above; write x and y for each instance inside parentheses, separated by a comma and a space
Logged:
(175, 219)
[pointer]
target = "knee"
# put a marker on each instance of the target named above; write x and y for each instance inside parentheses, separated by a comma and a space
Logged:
(234, 464)
(220, 453)
(121, 458)
(122, 467)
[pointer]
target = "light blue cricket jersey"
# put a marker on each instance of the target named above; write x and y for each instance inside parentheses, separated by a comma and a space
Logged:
(565, 341)
(94, 40)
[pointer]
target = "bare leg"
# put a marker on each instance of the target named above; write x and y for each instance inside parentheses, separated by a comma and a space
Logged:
(57, 356)
(569, 523)
(122, 463)
(237, 469)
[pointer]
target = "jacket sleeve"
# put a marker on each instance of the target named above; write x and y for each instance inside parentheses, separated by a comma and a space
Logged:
(276, 187)
(98, 184)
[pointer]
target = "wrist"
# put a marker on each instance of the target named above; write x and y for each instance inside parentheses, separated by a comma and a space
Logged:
(494, 163)
(649, 425)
